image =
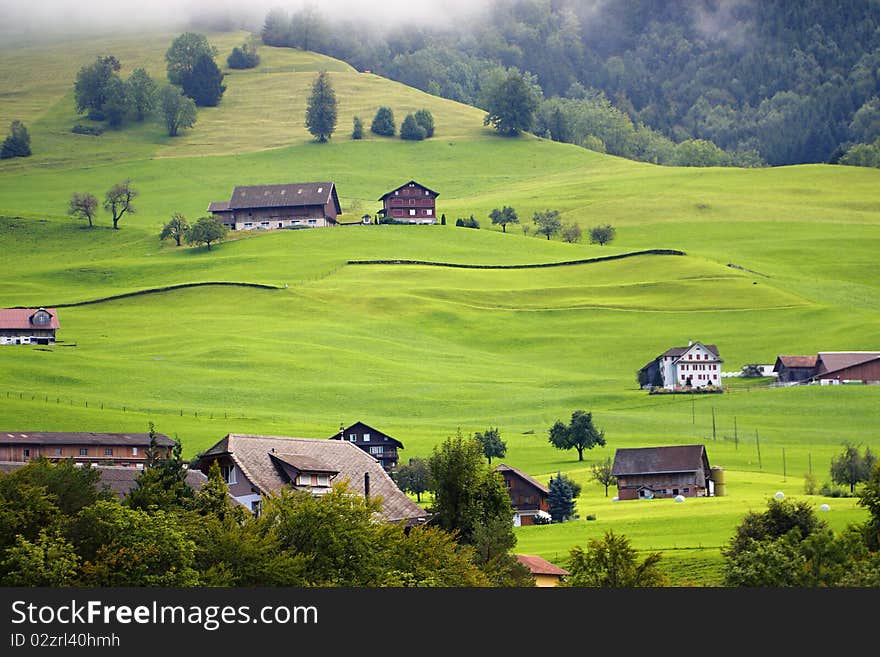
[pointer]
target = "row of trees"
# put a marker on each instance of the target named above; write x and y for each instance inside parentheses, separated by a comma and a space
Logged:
(206, 230)
(117, 201)
(549, 223)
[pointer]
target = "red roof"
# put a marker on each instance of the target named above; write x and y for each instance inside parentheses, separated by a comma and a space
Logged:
(540, 566)
(20, 318)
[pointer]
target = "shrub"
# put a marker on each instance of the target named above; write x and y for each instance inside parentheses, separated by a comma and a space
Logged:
(357, 131)
(426, 120)
(543, 520)
(411, 130)
(87, 130)
(244, 57)
(591, 517)
(470, 222)
(383, 122)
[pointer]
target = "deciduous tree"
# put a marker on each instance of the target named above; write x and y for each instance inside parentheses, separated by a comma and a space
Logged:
(602, 235)
(413, 477)
(118, 201)
(178, 111)
(504, 216)
(141, 90)
(491, 443)
(175, 228)
(90, 88)
(548, 222)
(612, 562)
(184, 52)
(511, 105)
(207, 231)
(83, 206)
(851, 467)
(601, 473)
(579, 434)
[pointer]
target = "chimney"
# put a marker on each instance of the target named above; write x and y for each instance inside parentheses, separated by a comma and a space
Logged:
(367, 485)
(690, 343)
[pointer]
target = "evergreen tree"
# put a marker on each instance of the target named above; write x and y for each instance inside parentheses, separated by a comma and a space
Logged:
(411, 130)
(321, 108)
(383, 122)
(561, 498)
(162, 482)
(18, 143)
(357, 131)
(425, 119)
(204, 82)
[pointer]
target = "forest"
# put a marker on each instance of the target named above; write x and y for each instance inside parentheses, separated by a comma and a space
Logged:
(717, 82)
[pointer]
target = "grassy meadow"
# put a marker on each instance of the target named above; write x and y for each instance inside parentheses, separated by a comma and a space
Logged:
(417, 351)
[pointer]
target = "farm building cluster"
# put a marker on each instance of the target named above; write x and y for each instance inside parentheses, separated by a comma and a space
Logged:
(316, 205)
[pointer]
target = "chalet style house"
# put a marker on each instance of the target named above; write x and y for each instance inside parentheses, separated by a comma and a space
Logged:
(791, 369)
(28, 325)
(411, 202)
(830, 367)
(377, 444)
(269, 207)
(546, 573)
(649, 472)
(254, 466)
(528, 496)
(123, 449)
(679, 368)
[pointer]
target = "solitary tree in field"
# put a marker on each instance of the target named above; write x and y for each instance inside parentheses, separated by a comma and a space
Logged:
(18, 143)
(83, 206)
(579, 434)
(357, 129)
(321, 108)
(548, 222)
(601, 473)
(851, 467)
(504, 216)
(490, 441)
(175, 228)
(118, 201)
(602, 235)
(207, 230)
(511, 105)
(178, 111)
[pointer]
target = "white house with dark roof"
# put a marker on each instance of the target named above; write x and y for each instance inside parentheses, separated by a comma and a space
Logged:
(254, 466)
(270, 207)
(694, 366)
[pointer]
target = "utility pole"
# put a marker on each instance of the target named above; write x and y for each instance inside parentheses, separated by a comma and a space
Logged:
(758, 444)
(783, 464)
(735, 436)
(713, 423)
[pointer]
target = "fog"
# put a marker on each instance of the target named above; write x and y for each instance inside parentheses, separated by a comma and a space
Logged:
(46, 17)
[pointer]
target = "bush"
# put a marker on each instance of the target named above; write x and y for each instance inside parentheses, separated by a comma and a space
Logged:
(828, 490)
(87, 130)
(410, 129)
(244, 57)
(470, 222)
(383, 122)
(591, 517)
(357, 131)
(426, 120)
(543, 520)
(18, 143)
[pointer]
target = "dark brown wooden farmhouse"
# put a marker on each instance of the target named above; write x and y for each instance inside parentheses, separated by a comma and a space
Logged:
(128, 449)
(269, 207)
(847, 366)
(528, 496)
(649, 472)
(411, 202)
(255, 466)
(377, 444)
(28, 325)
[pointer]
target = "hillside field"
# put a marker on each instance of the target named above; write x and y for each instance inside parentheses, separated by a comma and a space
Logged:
(419, 351)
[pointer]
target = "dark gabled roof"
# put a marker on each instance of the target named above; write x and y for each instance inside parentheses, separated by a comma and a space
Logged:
(289, 195)
(503, 467)
(829, 362)
(121, 480)
(253, 455)
(362, 426)
(681, 351)
(82, 438)
(794, 361)
(406, 184)
(540, 566)
(218, 206)
(20, 318)
(656, 460)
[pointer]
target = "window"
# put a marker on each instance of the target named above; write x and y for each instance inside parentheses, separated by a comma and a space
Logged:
(26, 453)
(376, 450)
(57, 451)
(83, 451)
(248, 224)
(429, 212)
(366, 437)
(323, 480)
(134, 451)
(108, 451)
(255, 508)
(228, 472)
(313, 221)
(412, 213)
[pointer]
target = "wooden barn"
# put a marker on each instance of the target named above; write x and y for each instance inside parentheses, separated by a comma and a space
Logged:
(411, 202)
(377, 444)
(269, 207)
(791, 369)
(527, 495)
(847, 366)
(649, 472)
(28, 325)
(124, 449)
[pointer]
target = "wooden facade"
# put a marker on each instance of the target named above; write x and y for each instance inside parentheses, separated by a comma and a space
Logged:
(270, 207)
(528, 496)
(657, 472)
(377, 444)
(124, 449)
(28, 325)
(411, 202)
(791, 369)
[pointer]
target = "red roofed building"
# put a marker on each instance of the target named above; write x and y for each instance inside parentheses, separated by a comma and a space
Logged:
(839, 366)
(545, 572)
(28, 325)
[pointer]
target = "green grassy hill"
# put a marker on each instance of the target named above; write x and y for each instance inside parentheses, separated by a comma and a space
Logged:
(421, 351)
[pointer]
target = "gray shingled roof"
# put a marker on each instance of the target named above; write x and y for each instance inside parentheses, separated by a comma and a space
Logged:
(654, 460)
(502, 467)
(253, 454)
(680, 351)
(82, 438)
(121, 480)
(283, 196)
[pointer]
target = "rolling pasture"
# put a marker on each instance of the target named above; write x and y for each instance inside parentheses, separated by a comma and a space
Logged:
(421, 351)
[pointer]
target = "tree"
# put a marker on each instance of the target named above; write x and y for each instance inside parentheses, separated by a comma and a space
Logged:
(561, 499)
(851, 468)
(141, 91)
(206, 231)
(243, 57)
(175, 228)
(116, 101)
(413, 477)
(504, 216)
(357, 130)
(383, 122)
(579, 434)
(321, 108)
(426, 120)
(18, 143)
(178, 111)
(548, 222)
(511, 105)
(183, 53)
(411, 130)
(90, 88)
(118, 201)
(571, 233)
(204, 82)
(602, 235)
(467, 492)
(50, 560)
(276, 28)
(162, 482)
(870, 499)
(612, 562)
(601, 473)
(83, 206)
(490, 441)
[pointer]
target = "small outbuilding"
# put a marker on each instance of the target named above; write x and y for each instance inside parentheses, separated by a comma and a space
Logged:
(546, 573)
(28, 325)
(649, 472)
